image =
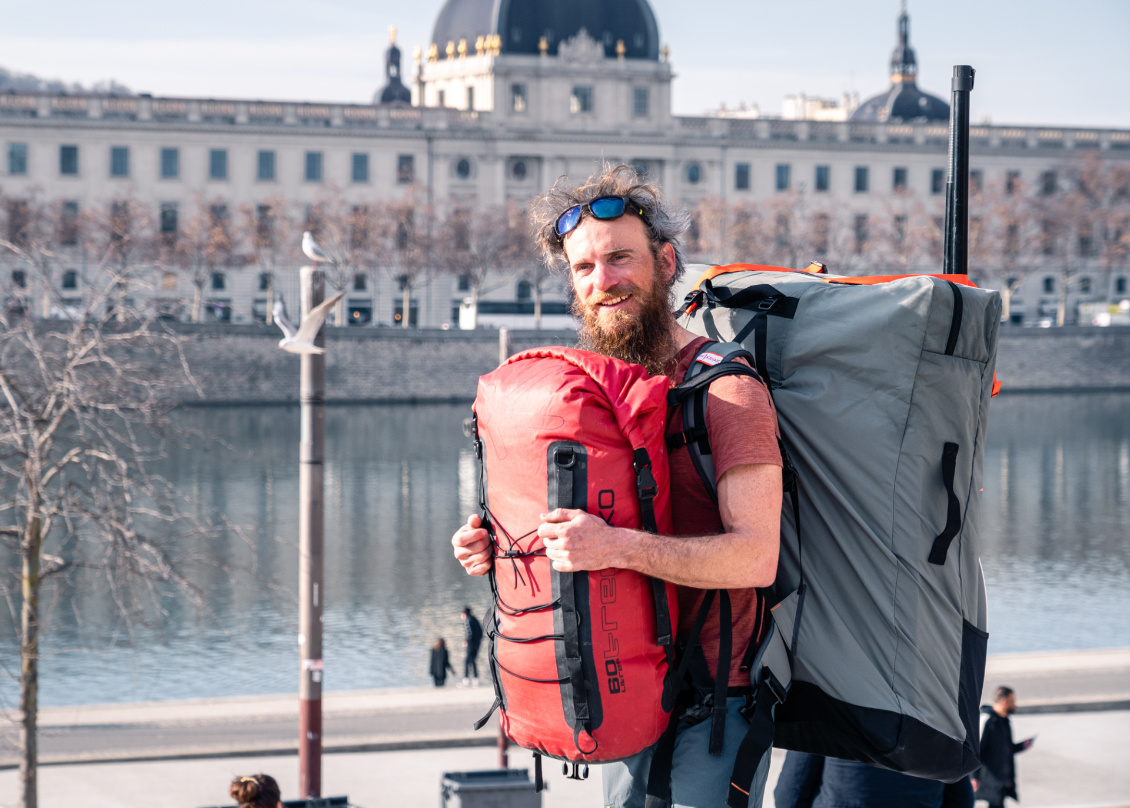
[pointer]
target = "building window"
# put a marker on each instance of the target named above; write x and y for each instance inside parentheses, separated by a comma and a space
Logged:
(405, 168)
(1012, 183)
(68, 161)
(463, 283)
(741, 177)
(862, 180)
(640, 102)
(470, 98)
(442, 99)
(525, 291)
(823, 178)
(898, 181)
(168, 222)
(17, 159)
(360, 283)
(264, 281)
(1047, 183)
(518, 99)
(782, 231)
(360, 167)
(119, 161)
(1049, 285)
(518, 170)
(1012, 239)
(862, 233)
(1047, 238)
(976, 181)
(937, 180)
(1086, 242)
(694, 173)
(900, 230)
(1120, 285)
(219, 282)
(581, 100)
(70, 279)
(18, 221)
(463, 168)
(1085, 286)
(170, 164)
(782, 176)
(265, 225)
(19, 279)
(821, 228)
(266, 162)
(217, 164)
(68, 223)
(313, 166)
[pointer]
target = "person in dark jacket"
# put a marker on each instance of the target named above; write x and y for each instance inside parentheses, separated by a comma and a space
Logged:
(472, 638)
(812, 781)
(440, 663)
(996, 779)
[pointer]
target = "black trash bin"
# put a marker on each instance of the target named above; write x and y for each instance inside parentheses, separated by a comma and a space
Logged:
(492, 788)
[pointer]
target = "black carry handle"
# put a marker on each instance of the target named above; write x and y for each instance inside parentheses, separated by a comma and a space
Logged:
(953, 507)
(955, 260)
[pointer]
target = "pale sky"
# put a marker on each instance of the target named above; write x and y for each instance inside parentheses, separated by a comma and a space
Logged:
(1037, 61)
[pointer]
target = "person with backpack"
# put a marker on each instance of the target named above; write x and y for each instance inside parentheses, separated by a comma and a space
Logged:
(621, 242)
(472, 639)
(996, 779)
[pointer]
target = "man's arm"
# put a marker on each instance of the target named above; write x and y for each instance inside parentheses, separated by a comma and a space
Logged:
(743, 556)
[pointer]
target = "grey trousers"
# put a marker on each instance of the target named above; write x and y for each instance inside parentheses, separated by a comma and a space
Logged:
(698, 779)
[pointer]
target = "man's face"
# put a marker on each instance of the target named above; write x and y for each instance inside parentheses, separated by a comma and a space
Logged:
(1009, 704)
(621, 290)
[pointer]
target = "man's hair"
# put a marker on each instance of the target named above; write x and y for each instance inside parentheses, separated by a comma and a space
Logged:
(666, 224)
(1003, 693)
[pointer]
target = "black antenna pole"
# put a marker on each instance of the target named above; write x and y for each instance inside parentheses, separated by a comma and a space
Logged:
(955, 260)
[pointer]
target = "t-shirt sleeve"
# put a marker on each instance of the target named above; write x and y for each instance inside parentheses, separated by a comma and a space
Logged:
(742, 424)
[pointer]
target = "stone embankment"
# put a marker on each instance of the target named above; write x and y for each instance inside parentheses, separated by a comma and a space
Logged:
(243, 365)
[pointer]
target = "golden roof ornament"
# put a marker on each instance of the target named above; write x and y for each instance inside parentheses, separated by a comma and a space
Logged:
(416, 55)
(450, 50)
(543, 46)
(620, 49)
(433, 52)
(392, 35)
(462, 49)
(666, 52)
(480, 45)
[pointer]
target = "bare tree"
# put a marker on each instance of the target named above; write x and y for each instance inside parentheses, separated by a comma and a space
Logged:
(120, 234)
(38, 234)
(272, 237)
(82, 408)
(350, 233)
(410, 241)
(201, 247)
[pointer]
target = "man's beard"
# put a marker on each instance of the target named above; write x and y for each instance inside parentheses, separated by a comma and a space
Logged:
(644, 338)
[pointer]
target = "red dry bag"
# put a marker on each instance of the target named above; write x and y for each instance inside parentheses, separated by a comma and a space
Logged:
(579, 659)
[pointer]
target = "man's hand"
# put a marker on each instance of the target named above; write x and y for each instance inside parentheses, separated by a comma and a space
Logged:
(473, 547)
(976, 784)
(575, 540)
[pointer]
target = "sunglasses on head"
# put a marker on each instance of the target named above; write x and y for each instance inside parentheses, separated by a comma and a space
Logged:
(606, 207)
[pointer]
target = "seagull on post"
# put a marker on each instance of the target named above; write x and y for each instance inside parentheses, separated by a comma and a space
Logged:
(313, 250)
(301, 341)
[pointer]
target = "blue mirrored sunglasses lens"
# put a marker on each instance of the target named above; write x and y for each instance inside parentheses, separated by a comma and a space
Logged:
(608, 207)
(568, 220)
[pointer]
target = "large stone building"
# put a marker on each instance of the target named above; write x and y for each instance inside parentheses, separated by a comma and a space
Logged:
(507, 97)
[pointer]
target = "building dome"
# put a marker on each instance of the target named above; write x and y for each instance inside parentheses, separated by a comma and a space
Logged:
(521, 24)
(903, 101)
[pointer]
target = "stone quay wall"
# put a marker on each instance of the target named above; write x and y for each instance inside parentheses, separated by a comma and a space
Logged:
(243, 365)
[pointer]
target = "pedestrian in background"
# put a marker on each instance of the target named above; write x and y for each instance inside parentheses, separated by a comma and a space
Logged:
(440, 663)
(812, 781)
(996, 779)
(256, 791)
(472, 638)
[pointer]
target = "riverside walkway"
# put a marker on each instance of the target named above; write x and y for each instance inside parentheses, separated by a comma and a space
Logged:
(390, 747)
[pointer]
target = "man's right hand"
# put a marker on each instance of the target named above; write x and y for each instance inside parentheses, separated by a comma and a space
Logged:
(473, 546)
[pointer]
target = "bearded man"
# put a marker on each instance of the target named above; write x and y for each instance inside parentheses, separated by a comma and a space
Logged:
(621, 242)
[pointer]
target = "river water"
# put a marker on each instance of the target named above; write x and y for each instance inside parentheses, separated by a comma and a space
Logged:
(399, 480)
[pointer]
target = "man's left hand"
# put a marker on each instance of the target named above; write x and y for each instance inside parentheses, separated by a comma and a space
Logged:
(576, 540)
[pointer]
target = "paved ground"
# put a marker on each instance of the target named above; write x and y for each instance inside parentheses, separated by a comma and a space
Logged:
(391, 747)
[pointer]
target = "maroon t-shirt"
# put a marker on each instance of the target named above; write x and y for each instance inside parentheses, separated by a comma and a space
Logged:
(742, 426)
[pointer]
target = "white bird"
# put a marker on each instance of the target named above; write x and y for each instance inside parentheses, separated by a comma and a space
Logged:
(302, 340)
(314, 251)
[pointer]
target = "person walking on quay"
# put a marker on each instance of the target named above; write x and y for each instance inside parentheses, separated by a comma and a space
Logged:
(440, 663)
(621, 243)
(996, 779)
(256, 791)
(472, 639)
